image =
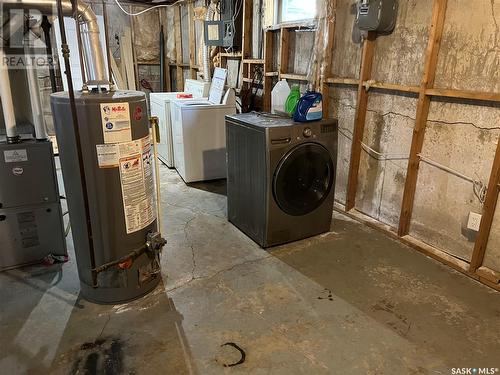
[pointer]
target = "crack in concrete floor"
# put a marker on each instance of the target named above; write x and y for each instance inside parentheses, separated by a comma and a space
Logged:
(218, 273)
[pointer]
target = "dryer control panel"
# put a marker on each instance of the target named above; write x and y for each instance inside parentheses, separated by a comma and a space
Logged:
(295, 134)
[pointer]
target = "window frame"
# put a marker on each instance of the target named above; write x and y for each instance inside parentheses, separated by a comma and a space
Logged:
(278, 11)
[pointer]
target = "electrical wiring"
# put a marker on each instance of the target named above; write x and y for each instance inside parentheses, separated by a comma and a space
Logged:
(479, 188)
(237, 9)
(148, 9)
(374, 153)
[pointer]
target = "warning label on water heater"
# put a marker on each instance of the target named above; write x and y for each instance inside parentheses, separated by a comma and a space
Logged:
(108, 156)
(136, 175)
(116, 125)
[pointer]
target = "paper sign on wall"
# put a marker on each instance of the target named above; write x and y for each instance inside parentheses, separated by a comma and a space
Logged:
(116, 125)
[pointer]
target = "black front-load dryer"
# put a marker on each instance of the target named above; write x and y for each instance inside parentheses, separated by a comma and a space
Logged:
(281, 176)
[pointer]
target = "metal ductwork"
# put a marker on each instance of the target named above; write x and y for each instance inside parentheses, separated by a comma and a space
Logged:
(7, 104)
(9, 114)
(91, 44)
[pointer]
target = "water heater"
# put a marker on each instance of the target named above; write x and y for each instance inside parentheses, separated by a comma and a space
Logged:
(121, 260)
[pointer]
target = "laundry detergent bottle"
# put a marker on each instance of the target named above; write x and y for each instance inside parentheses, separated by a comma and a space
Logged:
(292, 100)
(309, 108)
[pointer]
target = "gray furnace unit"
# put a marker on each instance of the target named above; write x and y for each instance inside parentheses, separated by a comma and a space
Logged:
(31, 223)
(120, 261)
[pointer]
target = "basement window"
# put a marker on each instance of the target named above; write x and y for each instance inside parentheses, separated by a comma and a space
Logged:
(297, 10)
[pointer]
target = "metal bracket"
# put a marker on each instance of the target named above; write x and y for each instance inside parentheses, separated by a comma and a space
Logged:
(155, 242)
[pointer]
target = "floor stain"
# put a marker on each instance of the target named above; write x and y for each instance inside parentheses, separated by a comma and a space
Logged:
(103, 356)
(400, 324)
(328, 293)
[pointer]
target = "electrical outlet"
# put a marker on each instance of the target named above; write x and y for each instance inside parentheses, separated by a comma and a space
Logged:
(474, 221)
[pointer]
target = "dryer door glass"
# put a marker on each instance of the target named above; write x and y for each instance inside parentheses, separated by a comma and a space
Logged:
(303, 179)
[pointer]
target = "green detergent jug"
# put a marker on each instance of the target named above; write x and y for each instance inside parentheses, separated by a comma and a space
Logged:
(292, 100)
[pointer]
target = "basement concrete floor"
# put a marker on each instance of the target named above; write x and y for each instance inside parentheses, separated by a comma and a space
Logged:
(352, 301)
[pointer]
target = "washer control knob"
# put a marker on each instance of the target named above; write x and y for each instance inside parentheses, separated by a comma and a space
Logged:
(308, 133)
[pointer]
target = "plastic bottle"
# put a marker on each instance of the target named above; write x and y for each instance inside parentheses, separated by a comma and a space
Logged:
(292, 100)
(278, 96)
(309, 108)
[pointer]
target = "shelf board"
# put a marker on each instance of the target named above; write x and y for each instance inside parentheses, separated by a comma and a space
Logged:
(256, 83)
(294, 77)
(253, 61)
(180, 65)
(343, 81)
(231, 54)
(391, 86)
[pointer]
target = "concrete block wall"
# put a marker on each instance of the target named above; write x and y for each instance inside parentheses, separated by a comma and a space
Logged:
(388, 132)
(461, 137)
(343, 102)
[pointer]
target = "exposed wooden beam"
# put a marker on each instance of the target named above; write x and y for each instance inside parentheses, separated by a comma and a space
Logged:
(391, 87)
(489, 274)
(268, 67)
(178, 48)
(284, 51)
(247, 29)
(360, 119)
(331, 16)
(162, 20)
(294, 77)
(192, 41)
(127, 59)
(489, 208)
(120, 83)
(343, 81)
(134, 52)
(464, 94)
(436, 92)
(254, 61)
(423, 106)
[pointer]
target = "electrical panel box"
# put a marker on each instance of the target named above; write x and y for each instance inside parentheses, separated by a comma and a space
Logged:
(376, 15)
(31, 223)
(227, 31)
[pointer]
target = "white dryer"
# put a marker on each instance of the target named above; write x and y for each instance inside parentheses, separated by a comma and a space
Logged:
(199, 134)
(160, 107)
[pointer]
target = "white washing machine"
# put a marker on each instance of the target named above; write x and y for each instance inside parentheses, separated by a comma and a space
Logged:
(199, 134)
(160, 107)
